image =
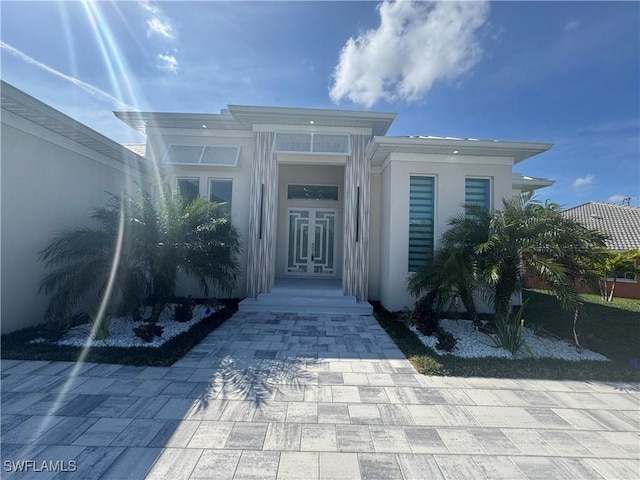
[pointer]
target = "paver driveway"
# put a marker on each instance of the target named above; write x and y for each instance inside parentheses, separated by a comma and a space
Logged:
(292, 397)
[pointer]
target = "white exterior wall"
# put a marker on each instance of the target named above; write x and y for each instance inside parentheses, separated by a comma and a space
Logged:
(49, 183)
(374, 236)
(307, 175)
(450, 173)
(387, 240)
(158, 141)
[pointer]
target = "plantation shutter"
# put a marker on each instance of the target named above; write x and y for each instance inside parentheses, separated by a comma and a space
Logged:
(421, 219)
(478, 191)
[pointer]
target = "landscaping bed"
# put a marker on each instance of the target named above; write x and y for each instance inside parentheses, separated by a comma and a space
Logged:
(121, 347)
(476, 344)
(614, 329)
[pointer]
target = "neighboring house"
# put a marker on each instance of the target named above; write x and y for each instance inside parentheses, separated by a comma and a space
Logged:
(325, 194)
(54, 171)
(621, 224)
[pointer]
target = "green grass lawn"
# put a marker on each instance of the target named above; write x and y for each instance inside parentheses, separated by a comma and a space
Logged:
(616, 328)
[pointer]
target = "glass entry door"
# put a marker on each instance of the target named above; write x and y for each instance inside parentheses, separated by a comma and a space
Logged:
(311, 242)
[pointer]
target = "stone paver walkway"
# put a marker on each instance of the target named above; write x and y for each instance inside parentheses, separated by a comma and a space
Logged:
(278, 396)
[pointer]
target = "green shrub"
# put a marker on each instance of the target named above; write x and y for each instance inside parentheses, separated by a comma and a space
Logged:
(507, 332)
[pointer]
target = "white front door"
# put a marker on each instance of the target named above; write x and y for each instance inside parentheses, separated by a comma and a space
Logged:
(311, 246)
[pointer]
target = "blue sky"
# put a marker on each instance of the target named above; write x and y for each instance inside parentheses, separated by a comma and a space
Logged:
(567, 73)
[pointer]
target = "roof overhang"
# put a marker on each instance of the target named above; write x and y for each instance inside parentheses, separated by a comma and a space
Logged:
(378, 122)
(528, 184)
(140, 121)
(24, 105)
(244, 117)
(380, 147)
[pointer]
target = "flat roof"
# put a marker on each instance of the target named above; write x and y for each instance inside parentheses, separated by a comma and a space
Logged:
(380, 147)
(243, 117)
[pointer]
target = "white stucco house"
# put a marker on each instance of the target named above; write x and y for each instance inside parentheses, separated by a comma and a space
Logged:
(324, 197)
(332, 212)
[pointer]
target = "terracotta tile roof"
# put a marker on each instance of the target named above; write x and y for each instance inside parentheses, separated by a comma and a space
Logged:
(139, 148)
(620, 223)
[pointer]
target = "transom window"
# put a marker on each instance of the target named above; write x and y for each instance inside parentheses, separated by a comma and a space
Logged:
(421, 221)
(319, 143)
(216, 155)
(312, 192)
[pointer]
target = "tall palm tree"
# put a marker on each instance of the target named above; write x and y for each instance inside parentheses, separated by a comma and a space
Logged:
(136, 252)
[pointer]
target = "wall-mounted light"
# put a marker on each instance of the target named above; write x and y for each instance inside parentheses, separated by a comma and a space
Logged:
(311, 122)
(455, 152)
(204, 126)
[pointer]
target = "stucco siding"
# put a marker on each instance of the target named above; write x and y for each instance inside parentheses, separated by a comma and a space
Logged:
(240, 176)
(449, 173)
(48, 183)
(374, 236)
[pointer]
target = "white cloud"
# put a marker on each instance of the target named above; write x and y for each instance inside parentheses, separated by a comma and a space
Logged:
(158, 23)
(616, 198)
(571, 25)
(583, 181)
(416, 44)
(167, 62)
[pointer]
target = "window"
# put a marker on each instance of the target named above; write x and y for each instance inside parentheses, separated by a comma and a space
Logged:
(421, 221)
(189, 188)
(218, 155)
(220, 192)
(625, 277)
(312, 192)
(321, 143)
(478, 191)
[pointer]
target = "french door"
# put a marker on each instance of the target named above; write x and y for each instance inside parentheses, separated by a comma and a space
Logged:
(311, 248)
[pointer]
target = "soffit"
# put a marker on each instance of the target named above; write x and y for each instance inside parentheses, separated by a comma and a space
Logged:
(19, 103)
(140, 121)
(380, 147)
(527, 184)
(378, 122)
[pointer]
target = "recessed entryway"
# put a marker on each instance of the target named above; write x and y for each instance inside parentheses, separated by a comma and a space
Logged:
(311, 242)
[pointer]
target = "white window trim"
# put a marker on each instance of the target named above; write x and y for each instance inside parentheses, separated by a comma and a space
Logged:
(311, 152)
(622, 280)
(220, 179)
(478, 177)
(435, 212)
(312, 185)
(200, 164)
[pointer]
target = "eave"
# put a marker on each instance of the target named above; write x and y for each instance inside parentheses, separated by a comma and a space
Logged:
(380, 147)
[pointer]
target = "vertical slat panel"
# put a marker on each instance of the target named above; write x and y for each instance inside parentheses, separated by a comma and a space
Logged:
(355, 265)
(263, 205)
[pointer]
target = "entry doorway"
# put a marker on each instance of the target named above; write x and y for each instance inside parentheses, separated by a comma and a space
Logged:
(311, 242)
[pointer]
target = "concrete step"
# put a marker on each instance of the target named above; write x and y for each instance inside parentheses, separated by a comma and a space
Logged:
(279, 299)
(316, 292)
(355, 308)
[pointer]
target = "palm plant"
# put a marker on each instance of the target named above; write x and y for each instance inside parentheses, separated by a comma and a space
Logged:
(525, 237)
(449, 276)
(136, 252)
